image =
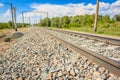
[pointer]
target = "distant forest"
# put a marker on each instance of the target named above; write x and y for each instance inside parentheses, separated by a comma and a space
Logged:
(8, 25)
(84, 23)
(79, 21)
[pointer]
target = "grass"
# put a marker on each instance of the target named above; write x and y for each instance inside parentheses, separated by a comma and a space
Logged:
(7, 39)
(103, 31)
(1, 32)
(114, 30)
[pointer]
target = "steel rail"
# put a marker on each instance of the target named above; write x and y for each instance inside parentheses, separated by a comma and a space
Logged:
(110, 65)
(114, 41)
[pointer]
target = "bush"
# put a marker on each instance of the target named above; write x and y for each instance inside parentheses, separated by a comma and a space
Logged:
(75, 25)
(106, 25)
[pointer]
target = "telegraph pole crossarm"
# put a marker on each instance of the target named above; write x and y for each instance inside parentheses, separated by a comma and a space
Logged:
(33, 12)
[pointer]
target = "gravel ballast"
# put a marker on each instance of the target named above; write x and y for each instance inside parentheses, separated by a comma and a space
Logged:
(37, 56)
(107, 50)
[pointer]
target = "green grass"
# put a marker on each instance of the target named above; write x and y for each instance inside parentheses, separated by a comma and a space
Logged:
(104, 31)
(114, 30)
(1, 32)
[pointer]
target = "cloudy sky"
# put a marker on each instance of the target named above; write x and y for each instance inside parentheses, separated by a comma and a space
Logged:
(56, 8)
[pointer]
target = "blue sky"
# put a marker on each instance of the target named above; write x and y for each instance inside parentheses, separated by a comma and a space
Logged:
(62, 7)
(24, 4)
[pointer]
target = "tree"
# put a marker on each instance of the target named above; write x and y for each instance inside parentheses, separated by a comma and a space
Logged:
(9, 24)
(44, 22)
(65, 21)
(117, 17)
(106, 19)
(3, 25)
(75, 21)
(55, 22)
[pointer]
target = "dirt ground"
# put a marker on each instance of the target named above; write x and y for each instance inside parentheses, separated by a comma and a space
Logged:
(6, 45)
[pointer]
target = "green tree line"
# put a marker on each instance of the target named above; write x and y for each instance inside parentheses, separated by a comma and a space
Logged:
(8, 25)
(79, 21)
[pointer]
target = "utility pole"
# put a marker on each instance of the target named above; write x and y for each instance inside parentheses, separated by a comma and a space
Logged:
(96, 16)
(14, 12)
(12, 15)
(33, 12)
(47, 20)
(29, 21)
(36, 21)
(11, 7)
(46, 15)
(22, 19)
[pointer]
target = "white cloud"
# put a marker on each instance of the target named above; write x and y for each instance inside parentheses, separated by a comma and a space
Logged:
(55, 10)
(7, 13)
(110, 9)
(1, 5)
(62, 10)
(78, 9)
(104, 6)
(114, 8)
(6, 16)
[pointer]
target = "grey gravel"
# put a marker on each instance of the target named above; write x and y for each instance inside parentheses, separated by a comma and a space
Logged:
(17, 34)
(108, 50)
(36, 56)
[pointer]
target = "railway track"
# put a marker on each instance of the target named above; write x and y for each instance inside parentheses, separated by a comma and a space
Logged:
(108, 50)
(40, 55)
(109, 64)
(114, 41)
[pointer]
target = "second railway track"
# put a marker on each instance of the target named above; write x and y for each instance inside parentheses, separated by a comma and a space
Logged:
(111, 40)
(109, 64)
(108, 50)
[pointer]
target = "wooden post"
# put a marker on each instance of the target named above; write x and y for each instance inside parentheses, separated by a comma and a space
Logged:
(12, 15)
(14, 12)
(23, 19)
(47, 20)
(29, 21)
(96, 16)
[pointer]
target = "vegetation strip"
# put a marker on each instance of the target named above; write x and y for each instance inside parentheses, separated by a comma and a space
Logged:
(84, 23)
